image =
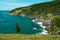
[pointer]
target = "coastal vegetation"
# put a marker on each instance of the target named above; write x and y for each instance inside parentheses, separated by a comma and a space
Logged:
(47, 10)
(37, 10)
(55, 24)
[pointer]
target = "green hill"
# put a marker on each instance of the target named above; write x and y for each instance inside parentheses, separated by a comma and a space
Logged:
(37, 10)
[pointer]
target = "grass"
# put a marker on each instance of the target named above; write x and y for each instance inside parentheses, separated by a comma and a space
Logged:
(28, 37)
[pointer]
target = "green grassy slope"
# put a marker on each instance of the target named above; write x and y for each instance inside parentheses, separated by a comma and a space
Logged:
(28, 37)
(40, 9)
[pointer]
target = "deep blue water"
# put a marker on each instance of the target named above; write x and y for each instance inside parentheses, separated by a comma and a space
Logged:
(8, 24)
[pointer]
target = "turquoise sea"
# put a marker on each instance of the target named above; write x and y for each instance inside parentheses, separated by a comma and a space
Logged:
(8, 24)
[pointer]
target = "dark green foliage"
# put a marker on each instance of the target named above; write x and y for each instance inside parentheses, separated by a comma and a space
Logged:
(57, 0)
(55, 24)
(39, 9)
(56, 21)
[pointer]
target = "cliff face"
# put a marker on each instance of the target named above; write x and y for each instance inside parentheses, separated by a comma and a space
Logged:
(37, 10)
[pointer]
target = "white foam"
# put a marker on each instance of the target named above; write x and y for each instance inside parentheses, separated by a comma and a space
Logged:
(45, 32)
(33, 20)
(35, 28)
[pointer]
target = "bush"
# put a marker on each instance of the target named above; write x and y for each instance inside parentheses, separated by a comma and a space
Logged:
(55, 24)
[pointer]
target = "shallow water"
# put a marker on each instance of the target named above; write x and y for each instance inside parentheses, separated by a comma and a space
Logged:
(8, 24)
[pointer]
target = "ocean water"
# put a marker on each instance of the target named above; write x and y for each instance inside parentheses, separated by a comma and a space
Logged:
(8, 24)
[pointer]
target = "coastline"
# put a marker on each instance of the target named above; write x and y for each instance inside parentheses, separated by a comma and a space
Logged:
(45, 32)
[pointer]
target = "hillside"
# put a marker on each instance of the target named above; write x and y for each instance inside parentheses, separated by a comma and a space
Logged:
(37, 10)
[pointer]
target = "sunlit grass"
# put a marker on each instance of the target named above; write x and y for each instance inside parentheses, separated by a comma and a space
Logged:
(28, 37)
